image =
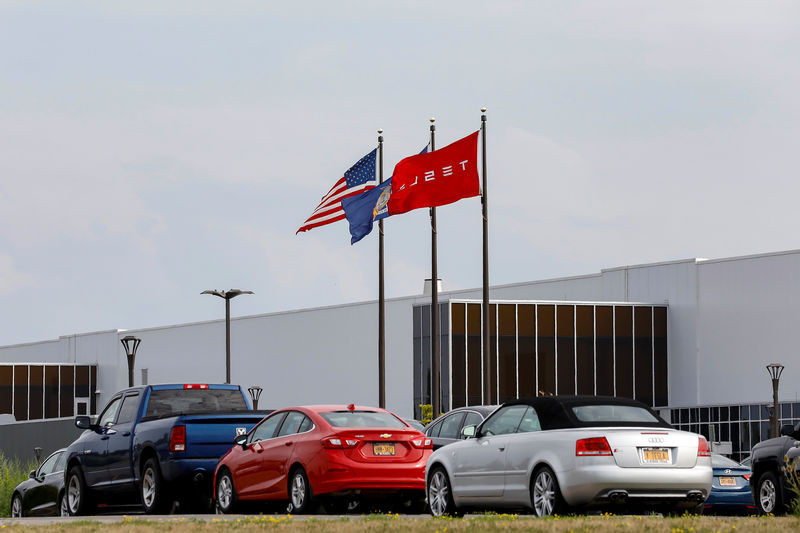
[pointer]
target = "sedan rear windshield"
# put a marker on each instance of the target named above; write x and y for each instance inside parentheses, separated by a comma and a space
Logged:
(168, 402)
(362, 419)
(613, 413)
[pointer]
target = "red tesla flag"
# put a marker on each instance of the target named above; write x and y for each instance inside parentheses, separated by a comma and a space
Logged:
(436, 178)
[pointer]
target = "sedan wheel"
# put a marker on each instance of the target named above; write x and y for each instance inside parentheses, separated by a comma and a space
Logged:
(226, 496)
(545, 495)
(76, 492)
(16, 506)
(440, 496)
(299, 492)
(63, 508)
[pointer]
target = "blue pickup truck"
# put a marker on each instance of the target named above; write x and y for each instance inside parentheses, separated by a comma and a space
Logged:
(155, 445)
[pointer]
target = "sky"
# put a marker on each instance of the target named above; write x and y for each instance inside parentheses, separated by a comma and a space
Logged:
(153, 150)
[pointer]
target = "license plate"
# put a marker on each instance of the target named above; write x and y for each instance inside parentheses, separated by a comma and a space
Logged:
(657, 456)
(727, 482)
(383, 449)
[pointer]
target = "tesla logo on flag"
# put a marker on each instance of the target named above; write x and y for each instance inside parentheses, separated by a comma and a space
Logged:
(430, 175)
(386, 435)
(241, 431)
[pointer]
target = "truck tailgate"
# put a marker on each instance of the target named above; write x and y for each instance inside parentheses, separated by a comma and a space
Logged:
(210, 436)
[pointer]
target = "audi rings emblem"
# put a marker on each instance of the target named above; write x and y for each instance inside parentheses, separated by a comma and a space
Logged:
(655, 440)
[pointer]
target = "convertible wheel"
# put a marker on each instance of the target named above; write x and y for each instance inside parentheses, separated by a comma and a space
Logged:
(768, 496)
(153, 493)
(77, 494)
(16, 506)
(63, 508)
(440, 494)
(226, 494)
(546, 497)
(300, 495)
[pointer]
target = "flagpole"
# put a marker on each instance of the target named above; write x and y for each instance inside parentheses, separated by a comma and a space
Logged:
(489, 397)
(434, 302)
(381, 295)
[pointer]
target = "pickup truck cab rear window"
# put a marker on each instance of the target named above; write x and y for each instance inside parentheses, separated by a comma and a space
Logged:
(167, 402)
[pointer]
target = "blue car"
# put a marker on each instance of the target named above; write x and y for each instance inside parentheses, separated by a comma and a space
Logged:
(730, 488)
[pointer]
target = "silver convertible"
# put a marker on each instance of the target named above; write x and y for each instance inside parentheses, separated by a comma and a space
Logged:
(555, 453)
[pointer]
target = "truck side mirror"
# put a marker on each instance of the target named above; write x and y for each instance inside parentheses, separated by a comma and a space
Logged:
(787, 430)
(83, 422)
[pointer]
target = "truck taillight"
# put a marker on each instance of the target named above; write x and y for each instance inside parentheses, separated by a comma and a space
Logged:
(702, 447)
(195, 386)
(177, 439)
(592, 447)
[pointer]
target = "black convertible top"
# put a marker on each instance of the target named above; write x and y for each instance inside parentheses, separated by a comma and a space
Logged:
(555, 412)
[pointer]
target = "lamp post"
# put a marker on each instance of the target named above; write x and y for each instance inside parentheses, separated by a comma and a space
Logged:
(775, 370)
(255, 393)
(227, 296)
(131, 344)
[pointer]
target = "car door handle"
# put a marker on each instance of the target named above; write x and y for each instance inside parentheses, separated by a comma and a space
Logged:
(501, 448)
(104, 437)
(111, 432)
(288, 443)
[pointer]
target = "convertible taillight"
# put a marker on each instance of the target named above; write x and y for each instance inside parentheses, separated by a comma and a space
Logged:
(338, 442)
(702, 447)
(423, 443)
(177, 439)
(592, 447)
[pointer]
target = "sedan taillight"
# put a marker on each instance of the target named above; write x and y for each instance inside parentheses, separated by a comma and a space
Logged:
(702, 447)
(746, 477)
(592, 447)
(177, 439)
(338, 443)
(423, 443)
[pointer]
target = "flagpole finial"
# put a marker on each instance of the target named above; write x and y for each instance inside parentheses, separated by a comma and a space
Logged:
(433, 119)
(483, 110)
(380, 131)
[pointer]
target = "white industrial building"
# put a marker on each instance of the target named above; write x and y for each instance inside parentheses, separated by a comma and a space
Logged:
(725, 320)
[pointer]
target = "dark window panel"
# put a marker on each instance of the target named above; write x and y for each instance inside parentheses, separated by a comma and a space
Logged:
(493, 350)
(82, 381)
(660, 370)
(6, 390)
(785, 410)
(474, 355)
(459, 328)
(37, 392)
(417, 321)
(507, 357)
(51, 396)
(93, 389)
(546, 357)
(444, 357)
(527, 350)
(21, 392)
(704, 414)
(565, 349)
(584, 318)
(67, 399)
(735, 413)
(623, 354)
(643, 350)
(604, 345)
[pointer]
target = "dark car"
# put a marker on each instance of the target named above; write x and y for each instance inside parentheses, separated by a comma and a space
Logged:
(730, 487)
(447, 428)
(43, 493)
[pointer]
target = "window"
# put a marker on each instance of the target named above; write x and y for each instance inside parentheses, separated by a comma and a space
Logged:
(167, 402)
(504, 421)
(61, 463)
(530, 422)
(362, 419)
(433, 429)
(451, 426)
(266, 430)
(49, 465)
(127, 413)
(472, 419)
(613, 413)
(292, 423)
(110, 413)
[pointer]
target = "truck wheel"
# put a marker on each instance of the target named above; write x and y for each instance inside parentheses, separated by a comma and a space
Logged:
(769, 499)
(77, 493)
(154, 493)
(226, 493)
(300, 494)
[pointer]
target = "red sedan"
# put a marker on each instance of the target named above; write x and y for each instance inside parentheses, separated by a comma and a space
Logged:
(325, 453)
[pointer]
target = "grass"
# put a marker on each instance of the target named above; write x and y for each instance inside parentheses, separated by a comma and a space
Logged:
(12, 473)
(392, 523)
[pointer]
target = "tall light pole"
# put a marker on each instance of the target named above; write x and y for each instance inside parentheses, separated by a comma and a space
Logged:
(131, 344)
(775, 370)
(227, 296)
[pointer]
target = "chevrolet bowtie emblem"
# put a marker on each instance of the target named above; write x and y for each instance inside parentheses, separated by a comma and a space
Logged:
(386, 435)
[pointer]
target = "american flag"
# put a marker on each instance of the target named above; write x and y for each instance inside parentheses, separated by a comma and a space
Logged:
(360, 178)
